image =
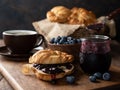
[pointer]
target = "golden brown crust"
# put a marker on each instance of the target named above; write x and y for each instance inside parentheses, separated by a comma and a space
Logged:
(58, 14)
(28, 69)
(50, 57)
(81, 16)
(75, 15)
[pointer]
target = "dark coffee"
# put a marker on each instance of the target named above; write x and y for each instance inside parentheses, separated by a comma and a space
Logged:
(21, 41)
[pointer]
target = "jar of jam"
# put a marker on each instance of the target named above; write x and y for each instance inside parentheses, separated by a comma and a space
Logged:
(95, 54)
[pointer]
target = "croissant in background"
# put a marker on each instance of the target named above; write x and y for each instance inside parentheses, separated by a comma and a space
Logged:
(58, 14)
(75, 15)
(81, 16)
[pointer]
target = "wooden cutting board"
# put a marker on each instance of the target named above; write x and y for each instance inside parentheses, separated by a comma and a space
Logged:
(12, 72)
(11, 69)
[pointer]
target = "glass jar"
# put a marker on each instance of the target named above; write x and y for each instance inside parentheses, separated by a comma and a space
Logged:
(95, 54)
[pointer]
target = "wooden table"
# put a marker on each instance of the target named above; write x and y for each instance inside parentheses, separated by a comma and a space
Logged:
(4, 85)
(11, 70)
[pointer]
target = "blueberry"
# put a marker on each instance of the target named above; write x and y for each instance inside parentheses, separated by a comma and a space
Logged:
(98, 75)
(92, 78)
(52, 40)
(75, 40)
(69, 38)
(66, 42)
(70, 79)
(57, 39)
(78, 40)
(106, 76)
(63, 39)
(72, 42)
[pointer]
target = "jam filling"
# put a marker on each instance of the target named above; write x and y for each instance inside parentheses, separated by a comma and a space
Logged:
(52, 68)
(97, 26)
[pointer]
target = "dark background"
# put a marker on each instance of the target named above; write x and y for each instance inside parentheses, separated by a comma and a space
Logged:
(19, 14)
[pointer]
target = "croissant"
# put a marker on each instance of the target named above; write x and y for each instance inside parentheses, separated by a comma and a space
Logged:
(81, 16)
(49, 65)
(58, 14)
(50, 57)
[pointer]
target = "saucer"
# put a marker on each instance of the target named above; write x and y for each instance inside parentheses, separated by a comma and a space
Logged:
(5, 52)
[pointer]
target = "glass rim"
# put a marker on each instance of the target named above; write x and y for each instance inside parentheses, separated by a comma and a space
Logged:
(91, 37)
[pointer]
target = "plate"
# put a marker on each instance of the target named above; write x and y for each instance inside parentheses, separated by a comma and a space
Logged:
(5, 52)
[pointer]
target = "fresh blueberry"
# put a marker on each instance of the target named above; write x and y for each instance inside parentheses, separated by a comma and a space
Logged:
(52, 40)
(66, 42)
(106, 76)
(78, 40)
(98, 75)
(70, 79)
(57, 39)
(62, 40)
(75, 40)
(69, 38)
(72, 42)
(92, 78)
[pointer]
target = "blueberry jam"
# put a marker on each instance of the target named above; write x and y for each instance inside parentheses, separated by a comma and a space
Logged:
(95, 54)
(91, 63)
(97, 26)
(52, 68)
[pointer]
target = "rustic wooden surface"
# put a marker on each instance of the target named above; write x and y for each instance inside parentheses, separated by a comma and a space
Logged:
(4, 85)
(23, 82)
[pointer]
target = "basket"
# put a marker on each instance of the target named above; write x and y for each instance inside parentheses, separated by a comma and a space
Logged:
(73, 49)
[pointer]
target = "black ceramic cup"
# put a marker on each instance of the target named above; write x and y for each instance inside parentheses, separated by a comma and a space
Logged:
(22, 41)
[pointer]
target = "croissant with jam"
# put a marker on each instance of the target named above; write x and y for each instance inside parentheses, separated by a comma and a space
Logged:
(49, 65)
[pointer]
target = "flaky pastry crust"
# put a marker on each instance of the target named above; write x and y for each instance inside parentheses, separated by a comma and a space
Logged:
(58, 14)
(81, 16)
(75, 15)
(50, 57)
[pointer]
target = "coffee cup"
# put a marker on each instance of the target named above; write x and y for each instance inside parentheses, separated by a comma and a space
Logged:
(22, 41)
